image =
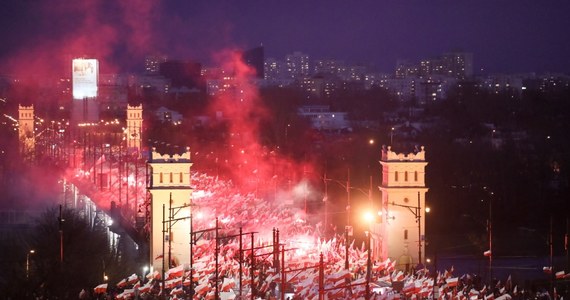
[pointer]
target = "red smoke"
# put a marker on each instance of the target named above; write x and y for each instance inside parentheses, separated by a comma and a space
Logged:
(112, 30)
(107, 31)
(253, 163)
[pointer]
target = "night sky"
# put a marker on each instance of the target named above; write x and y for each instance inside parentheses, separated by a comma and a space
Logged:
(504, 36)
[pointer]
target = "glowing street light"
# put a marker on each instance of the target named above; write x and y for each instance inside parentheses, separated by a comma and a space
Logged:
(145, 270)
(28, 262)
(368, 217)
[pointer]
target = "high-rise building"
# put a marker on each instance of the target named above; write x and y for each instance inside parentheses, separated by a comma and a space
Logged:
(255, 58)
(152, 63)
(328, 66)
(404, 69)
(273, 69)
(85, 78)
(458, 64)
(297, 65)
(182, 73)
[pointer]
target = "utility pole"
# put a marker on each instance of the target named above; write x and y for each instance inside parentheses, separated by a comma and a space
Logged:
(419, 220)
(252, 267)
(368, 265)
(346, 248)
(163, 237)
(60, 224)
(348, 197)
(326, 200)
(417, 212)
(550, 244)
(490, 229)
(192, 252)
(321, 277)
(370, 195)
(566, 245)
(217, 251)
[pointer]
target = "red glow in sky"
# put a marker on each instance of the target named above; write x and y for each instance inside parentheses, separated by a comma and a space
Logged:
(244, 112)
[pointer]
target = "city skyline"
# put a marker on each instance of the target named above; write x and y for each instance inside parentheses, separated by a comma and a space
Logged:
(504, 37)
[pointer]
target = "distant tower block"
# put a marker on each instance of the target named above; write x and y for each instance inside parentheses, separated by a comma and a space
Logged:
(27, 140)
(134, 127)
(170, 180)
(403, 191)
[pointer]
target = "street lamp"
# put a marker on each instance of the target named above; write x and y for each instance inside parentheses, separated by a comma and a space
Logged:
(368, 264)
(368, 217)
(490, 232)
(28, 262)
(145, 270)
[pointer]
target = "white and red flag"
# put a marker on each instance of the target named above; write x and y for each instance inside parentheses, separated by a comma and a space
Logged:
(100, 289)
(174, 272)
(452, 282)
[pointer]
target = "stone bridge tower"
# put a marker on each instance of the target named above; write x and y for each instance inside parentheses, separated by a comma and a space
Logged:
(26, 134)
(403, 191)
(134, 127)
(171, 198)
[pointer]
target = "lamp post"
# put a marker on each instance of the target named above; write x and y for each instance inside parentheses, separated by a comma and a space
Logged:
(60, 221)
(347, 187)
(144, 271)
(368, 264)
(416, 211)
(369, 218)
(28, 263)
(490, 232)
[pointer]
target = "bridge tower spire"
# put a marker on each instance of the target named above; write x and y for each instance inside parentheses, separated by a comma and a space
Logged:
(403, 191)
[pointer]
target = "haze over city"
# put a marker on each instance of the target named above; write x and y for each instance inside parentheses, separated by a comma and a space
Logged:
(211, 149)
(504, 36)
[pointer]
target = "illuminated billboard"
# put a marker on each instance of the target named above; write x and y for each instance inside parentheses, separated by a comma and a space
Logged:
(85, 73)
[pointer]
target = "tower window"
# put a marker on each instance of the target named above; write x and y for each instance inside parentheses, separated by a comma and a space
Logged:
(405, 234)
(416, 176)
(406, 176)
(171, 177)
(396, 176)
(161, 177)
(181, 177)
